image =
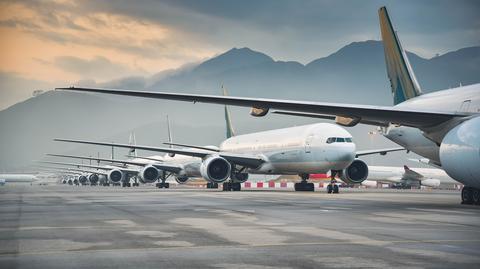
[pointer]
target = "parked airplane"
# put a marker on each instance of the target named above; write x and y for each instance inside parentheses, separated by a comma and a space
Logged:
(445, 125)
(405, 177)
(18, 178)
(302, 150)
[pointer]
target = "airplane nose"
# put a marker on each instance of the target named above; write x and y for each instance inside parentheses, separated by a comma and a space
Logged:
(346, 153)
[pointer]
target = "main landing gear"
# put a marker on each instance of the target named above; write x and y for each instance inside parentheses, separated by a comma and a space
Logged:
(163, 184)
(304, 185)
(232, 186)
(332, 186)
(212, 185)
(470, 196)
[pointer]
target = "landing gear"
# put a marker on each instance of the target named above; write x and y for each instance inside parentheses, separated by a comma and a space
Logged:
(470, 196)
(232, 186)
(212, 185)
(332, 186)
(304, 185)
(126, 184)
(163, 184)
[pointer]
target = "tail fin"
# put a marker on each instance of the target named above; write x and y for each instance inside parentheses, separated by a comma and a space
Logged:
(228, 120)
(170, 138)
(402, 79)
(132, 141)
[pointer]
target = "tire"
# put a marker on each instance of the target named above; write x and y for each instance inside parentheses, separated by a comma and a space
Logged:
(310, 187)
(227, 186)
(167, 185)
(335, 188)
(476, 196)
(236, 187)
(467, 196)
(329, 188)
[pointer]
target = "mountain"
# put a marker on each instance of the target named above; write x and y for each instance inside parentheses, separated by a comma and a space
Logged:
(354, 74)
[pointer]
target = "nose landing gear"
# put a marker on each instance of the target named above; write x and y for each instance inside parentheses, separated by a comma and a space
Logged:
(332, 186)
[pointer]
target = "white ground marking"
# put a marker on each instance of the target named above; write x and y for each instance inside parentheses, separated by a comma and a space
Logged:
(174, 243)
(441, 255)
(122, 222)
(246, 266)
(153, 234)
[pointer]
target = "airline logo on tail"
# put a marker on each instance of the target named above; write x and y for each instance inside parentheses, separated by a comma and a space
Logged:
(402, 79)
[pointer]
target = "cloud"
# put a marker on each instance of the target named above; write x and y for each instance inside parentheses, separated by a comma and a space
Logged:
(96, 68)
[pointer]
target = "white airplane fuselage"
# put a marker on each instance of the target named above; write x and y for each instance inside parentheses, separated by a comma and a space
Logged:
(398, 175)
(302, 149)
(441, 143)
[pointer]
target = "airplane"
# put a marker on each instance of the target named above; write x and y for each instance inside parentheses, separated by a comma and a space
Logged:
(18, 178)
(406, 177)
(301, 150)
(443, 126)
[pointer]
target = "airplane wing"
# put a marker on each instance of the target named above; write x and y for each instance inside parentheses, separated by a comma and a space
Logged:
(385, 114)
(377, 151)
(191, 146)
(249, 161)
(133, 171)
(162, 166)
(328, 117)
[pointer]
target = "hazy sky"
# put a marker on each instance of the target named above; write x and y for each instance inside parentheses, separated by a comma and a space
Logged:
(52, 42)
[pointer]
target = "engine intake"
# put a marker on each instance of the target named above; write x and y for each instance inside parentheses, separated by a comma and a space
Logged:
(356, 173)
(93, 178)
(149, 174)
(215, 169)
(83, 180)
(115, 175)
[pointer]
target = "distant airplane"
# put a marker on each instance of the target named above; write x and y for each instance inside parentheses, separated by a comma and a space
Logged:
(17, 178)
(445, 125)
(407, 177)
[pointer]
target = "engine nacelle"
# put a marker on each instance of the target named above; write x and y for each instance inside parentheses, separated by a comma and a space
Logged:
(93, 178)
(215, 169)
(116, 175)
(431, 182)
(239, 177)
(70, 182)
(356, 173)
(83, 179)
(460, 153)
(149, 174)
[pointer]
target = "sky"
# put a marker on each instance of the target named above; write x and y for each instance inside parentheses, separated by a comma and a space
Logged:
(45, 44)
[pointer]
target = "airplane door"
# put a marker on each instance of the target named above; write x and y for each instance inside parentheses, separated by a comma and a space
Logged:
(308, 144)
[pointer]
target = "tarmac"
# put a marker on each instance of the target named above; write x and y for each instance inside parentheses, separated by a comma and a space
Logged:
(144, 227)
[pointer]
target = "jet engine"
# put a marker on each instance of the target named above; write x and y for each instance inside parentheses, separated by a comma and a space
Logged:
(149, 174)
(116, 175)
(93, 178)
(460, 152)
(215, 169)
(357, 172)
(83, 179)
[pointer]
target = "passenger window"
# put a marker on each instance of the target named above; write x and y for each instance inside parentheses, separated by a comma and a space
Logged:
(330, 140)
(340, 139)
(348, 139)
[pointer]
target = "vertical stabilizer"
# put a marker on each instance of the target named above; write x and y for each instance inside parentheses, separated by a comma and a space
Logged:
(170, 140)
(132, 141)
(228, 119)
(402, 79)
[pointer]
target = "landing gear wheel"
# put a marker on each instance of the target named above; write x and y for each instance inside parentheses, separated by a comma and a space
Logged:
(335, 188)
(329, 188)
(467, 196)
(236, 187)
(476, 196)
(227, 186)
(166, 185)
(304, 186)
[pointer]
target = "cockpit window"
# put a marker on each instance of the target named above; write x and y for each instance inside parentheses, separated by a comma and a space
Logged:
(340, 139)
(348, 139)
(330, 140)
